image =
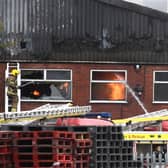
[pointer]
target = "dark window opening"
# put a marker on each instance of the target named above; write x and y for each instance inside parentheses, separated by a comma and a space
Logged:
(161, 86)
(47, 91)
(32, 74)
(161, 76)
(160, 92)
(58, 75)
(23, 44)
(46, 85)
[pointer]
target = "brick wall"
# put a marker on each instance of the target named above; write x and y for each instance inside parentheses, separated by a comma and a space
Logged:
(81, 87)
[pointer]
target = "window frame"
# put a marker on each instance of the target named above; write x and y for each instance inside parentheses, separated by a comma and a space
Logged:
(157, 82)
(107, 81)
(46, 80)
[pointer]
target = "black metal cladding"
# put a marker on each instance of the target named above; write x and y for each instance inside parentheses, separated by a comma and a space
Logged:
(82, 30)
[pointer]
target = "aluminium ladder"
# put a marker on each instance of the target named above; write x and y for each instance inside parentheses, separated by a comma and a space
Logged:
(46, 111)
(139, 121)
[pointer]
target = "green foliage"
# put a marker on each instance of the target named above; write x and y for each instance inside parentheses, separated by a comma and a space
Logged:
(1, 26)
(7, 44)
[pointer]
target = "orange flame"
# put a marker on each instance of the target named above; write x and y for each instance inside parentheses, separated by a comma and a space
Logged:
(36, 93)
(117, 89)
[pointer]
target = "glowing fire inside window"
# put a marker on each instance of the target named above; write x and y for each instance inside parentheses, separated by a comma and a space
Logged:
(117, 91)
(36, 93)
(108, 86)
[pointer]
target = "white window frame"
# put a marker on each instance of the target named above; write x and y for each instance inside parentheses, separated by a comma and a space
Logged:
(50, 80)
(154, 82)
(105, 81)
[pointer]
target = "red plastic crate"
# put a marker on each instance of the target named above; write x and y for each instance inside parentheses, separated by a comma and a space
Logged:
(63, 142)
(6, 165)
(19, 142)
(82, 151)
(43, 164)
(81, 165)
(5, 160)
(82, 135)
(32, 149)
(24, 157)
(45, 156)
(24, 164)
(84, 143)
(5, 149)
(82, 158)
(6, 135)
(65, 164)
(24, 134)
(56, 164)
(24, 149)
(8, 141)
(44, 134)
(63, 135)
(63, 157)
(62, 150)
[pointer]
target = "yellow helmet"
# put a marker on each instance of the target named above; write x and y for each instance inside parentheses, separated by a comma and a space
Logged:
(15, 72)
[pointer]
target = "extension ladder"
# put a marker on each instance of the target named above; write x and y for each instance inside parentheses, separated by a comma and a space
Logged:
(48, 110)
(139, 121)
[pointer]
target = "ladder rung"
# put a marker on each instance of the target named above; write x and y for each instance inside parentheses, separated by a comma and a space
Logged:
(52, 111)
(12, 66)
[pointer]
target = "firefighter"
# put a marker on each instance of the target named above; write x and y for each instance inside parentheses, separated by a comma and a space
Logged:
(11, 83)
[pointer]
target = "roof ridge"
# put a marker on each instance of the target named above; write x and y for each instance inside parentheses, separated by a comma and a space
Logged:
(137, 8)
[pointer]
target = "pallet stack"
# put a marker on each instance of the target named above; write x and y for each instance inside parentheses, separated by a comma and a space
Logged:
(110, 149)
(66, 147)
(82, 152)
(6, 149)
(43, 149)
(63, 145)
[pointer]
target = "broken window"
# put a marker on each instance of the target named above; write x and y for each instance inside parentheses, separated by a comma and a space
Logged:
(46, 85)
(108, 86)
(160, 86)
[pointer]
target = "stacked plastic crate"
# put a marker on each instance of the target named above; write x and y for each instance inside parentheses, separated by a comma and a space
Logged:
(101, 148)
(46, 149)
(82, 150)
(6, 149)
(66, 147)
(24, 147)
(110, 149)
(121, 152)
(63, 146)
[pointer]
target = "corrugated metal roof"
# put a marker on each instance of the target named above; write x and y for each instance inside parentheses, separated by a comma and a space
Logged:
(137, 8)
(82, 30)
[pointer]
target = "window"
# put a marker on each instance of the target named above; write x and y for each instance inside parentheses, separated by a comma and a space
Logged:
(108, 86)
(160, 86)
(46, 85)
